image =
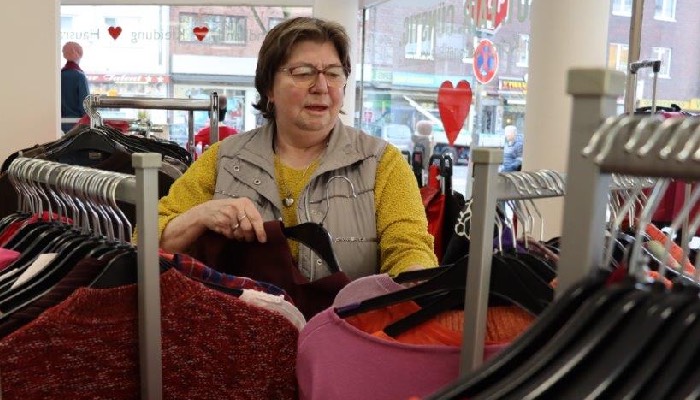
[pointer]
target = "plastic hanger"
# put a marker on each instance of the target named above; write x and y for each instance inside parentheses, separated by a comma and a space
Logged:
(316, 237)
(645, 371)
(617, 352)
(592, 317)
(589, 293)
(506, 283)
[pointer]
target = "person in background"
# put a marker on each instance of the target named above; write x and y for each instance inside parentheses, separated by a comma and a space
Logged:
(74, 84)
(202, 136)
(512, 150)
(304, 165)
(424, 137)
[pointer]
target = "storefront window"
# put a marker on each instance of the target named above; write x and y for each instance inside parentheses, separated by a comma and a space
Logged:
(409, 51)
(174, 51)
(666, 27)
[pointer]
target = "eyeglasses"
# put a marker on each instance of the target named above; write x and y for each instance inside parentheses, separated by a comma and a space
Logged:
(305, 76)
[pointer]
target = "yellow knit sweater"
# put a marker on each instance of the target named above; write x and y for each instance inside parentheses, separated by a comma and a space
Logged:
(402, 227)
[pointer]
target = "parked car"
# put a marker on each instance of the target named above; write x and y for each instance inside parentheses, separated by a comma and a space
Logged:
(460, 149)
(399, 135)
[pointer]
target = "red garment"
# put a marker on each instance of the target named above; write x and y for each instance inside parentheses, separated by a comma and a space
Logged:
(269, 262)
(215, 346)
(434, 203)
(118, 124)
(71, 65)
(203, 135)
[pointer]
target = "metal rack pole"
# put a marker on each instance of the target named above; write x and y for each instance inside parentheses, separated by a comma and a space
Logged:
(213, 118)
(595, 93)
(146, 166)
(486, 162)
(93, 102)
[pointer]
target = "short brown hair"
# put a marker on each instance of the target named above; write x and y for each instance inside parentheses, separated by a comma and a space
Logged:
(278, 45)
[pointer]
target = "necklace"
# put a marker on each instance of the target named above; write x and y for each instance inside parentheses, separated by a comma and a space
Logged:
(288, 198)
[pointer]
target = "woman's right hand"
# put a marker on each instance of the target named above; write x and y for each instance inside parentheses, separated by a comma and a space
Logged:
(237, 219)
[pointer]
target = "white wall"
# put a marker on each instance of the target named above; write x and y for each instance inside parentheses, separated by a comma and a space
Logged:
(563, 34)
(30, 100)
(345, 13)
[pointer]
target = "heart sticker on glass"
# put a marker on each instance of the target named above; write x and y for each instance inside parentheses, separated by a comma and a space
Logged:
(200, 32)
(114, 31)
(454, 104)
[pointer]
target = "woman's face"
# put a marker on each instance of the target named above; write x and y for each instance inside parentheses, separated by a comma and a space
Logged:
(312, 108)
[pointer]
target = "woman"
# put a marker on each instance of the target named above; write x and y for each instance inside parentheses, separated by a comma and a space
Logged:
(304, 166)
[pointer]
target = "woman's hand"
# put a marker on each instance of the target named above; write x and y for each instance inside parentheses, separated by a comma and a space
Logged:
(237, 219)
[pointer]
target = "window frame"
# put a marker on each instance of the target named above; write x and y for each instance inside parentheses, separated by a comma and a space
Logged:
(523, 59)
(657, 54)
(619, 66)
(620, 8)
(664, 5)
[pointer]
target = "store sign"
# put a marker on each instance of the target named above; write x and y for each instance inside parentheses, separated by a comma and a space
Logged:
(512, 86)
(124, 78)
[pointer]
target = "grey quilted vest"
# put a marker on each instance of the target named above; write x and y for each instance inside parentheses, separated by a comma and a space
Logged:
(340, 193)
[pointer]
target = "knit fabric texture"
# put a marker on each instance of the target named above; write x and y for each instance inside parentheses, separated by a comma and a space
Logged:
(401, 224)
(340, 362)
(215, 346)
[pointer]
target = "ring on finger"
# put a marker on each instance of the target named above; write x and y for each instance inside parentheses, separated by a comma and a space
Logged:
(234, 227)
(242, 216)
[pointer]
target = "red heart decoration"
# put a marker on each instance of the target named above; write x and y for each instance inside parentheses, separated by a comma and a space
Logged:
(114, 31)
(454, 103)
(200, 32)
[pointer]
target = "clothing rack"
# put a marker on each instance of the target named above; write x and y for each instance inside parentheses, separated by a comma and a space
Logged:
(488, 188)
(92, 102)
(141, 190)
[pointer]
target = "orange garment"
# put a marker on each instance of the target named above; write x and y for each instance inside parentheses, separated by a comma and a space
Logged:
(503, 325)
(676, 251)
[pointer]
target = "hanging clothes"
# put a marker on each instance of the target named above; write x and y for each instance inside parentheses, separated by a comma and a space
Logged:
(372, 368)
(269, 262)
(214, 346)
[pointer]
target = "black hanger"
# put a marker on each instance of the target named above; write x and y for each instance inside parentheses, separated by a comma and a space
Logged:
(589, 292)
(317, 238)
(662, 348)
(417, 163)
(121, 270)
(88, 141)
(506, 283)
(590, 322)
(602, 360)
(680, 364)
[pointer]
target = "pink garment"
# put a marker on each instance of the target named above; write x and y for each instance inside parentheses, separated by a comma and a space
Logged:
(337, 361)
(7, 256)
(365, 288)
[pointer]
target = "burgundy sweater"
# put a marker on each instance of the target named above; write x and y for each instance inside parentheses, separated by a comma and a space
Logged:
(215, 346)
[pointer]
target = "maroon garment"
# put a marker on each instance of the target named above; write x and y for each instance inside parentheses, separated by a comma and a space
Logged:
(269, 262)
(82, 274)
(215, 346)
(71, 65)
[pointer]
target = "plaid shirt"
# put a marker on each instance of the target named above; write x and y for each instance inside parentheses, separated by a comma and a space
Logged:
(195, 269)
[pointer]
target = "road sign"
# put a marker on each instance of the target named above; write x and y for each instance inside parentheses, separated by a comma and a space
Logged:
(487, 14)
(485, 63)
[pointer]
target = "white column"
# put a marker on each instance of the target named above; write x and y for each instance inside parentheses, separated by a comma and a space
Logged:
(563, 34)
(30, 100)
(345, 13)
